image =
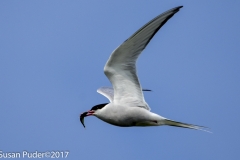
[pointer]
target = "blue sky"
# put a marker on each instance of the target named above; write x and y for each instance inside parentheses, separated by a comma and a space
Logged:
(52, 55)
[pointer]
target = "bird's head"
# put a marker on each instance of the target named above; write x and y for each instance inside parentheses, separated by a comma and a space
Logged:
(93, 111)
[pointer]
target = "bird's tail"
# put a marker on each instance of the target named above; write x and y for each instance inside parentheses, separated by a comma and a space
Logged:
(185, 125)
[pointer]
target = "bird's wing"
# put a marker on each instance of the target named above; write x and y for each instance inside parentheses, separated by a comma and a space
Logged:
(109, 93)
(121, 65)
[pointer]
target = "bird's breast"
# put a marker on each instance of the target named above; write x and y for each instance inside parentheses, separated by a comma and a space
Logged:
(125, 116)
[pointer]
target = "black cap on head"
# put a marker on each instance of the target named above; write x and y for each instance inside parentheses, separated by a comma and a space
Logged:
(99, 106)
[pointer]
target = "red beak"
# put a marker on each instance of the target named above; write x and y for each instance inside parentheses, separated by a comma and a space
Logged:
(89, 113)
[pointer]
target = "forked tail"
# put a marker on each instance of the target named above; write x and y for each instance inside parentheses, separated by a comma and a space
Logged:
(185, 125)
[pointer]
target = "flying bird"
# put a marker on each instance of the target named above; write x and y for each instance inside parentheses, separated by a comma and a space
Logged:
(127, 107)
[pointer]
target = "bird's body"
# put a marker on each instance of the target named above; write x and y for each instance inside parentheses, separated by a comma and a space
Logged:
(127, 105)
(128, 115)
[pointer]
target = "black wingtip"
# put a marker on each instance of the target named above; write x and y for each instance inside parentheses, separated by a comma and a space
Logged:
(179, 7)
(149, 90)
(176, 9)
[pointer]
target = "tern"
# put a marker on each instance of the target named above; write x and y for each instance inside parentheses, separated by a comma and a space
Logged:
(127, 107)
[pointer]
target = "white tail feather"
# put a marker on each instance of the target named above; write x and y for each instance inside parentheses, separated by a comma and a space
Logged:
(185, 125)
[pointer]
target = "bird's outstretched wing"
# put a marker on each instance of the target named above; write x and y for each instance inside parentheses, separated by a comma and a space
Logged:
(109, 93)
(121, 66)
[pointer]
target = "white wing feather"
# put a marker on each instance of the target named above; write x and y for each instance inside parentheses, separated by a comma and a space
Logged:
(109, 92)
(121, 66)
